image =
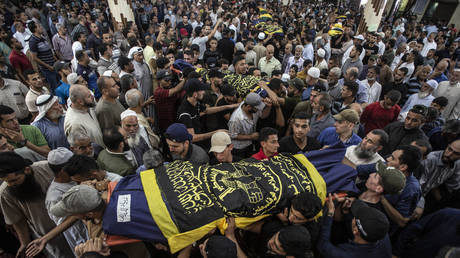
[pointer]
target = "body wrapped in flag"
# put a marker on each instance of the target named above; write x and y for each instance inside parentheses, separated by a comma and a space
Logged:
(181, 202)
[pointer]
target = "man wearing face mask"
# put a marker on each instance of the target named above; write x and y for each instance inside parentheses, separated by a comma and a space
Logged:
(80, 116)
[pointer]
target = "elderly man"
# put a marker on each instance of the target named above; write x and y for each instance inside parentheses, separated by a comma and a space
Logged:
(50, 121)
(21, 135)
(268, 63)
(136, 103)
(366, 152)
(181, 147)
(117, 157)
(108, 108)
(22, 198)
(322, 117)
(80, 144)
(143, 77)
(138, 139)
(296, 59)
(451, 90)
(80, 116)
(423, 97)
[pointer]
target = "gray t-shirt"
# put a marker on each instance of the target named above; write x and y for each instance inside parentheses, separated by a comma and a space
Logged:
(77, 233)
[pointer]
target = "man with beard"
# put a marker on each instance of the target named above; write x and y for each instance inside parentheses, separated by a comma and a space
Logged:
(213, 93)
(403, 133)
(441, 169)
(138, 139)
(180, 145)
(80, 144)
(108, 108)
(107, 38)
(22, 198)
(423, 97)
(366, 152)
(143, 77)
(295, 59)
(80, 116)
(334, 89)
(50, 121)
(322, 117)
(228, 97)
(190, 111)
(415, 84)
(451, 90)
(398, 85)
(299, 141)
(116, 157)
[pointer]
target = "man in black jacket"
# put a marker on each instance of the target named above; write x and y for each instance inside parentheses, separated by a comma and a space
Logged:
(403, 133)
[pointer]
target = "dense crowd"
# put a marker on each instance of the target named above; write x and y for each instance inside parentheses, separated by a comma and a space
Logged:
(86, 100)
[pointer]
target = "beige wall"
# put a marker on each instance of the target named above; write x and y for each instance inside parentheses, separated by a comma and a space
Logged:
(456, 17)
(122, 7)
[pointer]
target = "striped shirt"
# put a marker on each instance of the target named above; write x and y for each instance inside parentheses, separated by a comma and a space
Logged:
(43, 50)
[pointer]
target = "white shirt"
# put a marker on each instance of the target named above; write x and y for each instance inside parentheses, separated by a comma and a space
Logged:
(427, 46)
(410, 67)
(346, 55)
(201, 42)
(240, 123)
(381, 48)
(373, 92)
(396, 61)
(308, 52)
(22, 37)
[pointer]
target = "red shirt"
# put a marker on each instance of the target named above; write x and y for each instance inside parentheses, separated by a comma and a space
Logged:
(20, 61)
(261, 155)
(166, 107)
(377, 117)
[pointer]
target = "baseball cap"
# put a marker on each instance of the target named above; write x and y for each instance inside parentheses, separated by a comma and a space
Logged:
(211, 62)
(163, 73)
(321, 52)
(134, 50)
(314, 72)
(228, 90)
(419, 109)
(220, 246)
(297, 83)
(372, 224)
(261, 36)
(58, 65)
(360, 37)
(59, 156)
(78, 199)
(432, 83)
(393, 180)
(11, 162)
(215, 73)
(349, 115)
(194, 84)
(319, 88)
(253, 99)
(285, 77)
(178, 133)
(72, 78)
(220, 141)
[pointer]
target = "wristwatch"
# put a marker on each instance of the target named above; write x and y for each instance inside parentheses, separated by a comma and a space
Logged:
(23, 143)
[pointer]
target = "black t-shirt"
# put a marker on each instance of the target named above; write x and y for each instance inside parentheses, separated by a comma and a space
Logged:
(190, 115)
(94, 42)
(287, 144)
(217, 121)
(188, 27)
(374, 51)
(226, 47)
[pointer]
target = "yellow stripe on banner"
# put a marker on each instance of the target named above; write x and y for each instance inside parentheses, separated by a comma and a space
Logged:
(156, 204)
(317, 179)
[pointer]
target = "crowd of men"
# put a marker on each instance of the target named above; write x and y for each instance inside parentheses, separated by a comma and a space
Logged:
(86, 100)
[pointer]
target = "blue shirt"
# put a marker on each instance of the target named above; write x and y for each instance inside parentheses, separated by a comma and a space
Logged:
(379, 249)
(330, 137)
(91, 77)
(54, 133)
(62, 92)
(406, 202)
(361, 95)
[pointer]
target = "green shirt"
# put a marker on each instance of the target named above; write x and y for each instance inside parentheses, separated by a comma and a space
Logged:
(289, 105)
(33, 135)
(115, 162)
